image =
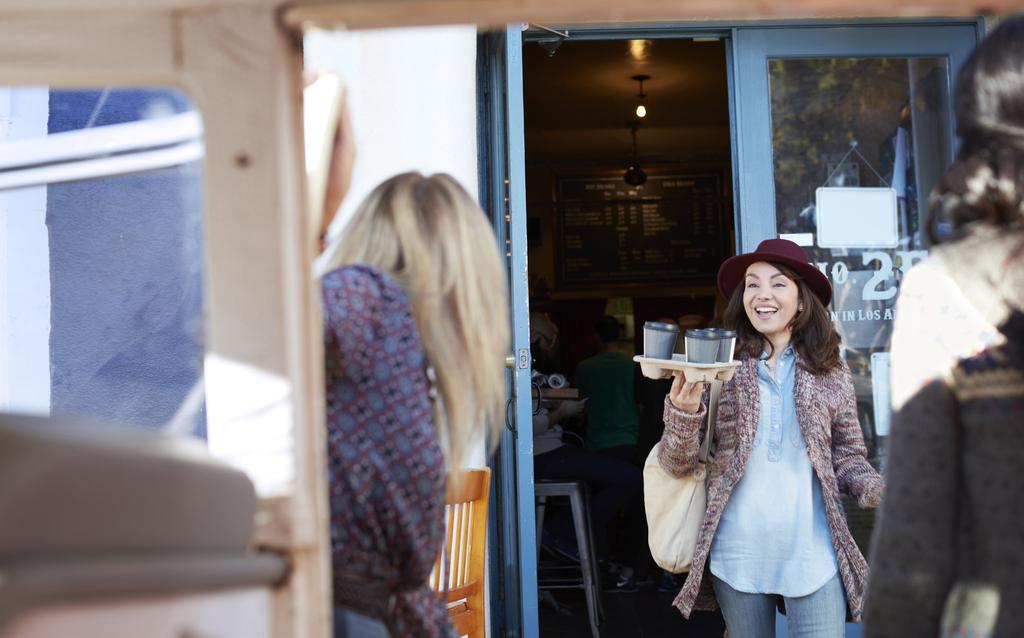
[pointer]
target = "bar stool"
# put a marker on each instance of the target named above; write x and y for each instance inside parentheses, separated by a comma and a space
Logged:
(590, 577)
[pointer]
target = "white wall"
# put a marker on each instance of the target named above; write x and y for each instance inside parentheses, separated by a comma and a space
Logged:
(412, 95)
(24, 267)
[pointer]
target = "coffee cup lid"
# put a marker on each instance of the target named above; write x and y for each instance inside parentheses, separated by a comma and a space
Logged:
(657, 325)
(701, 333)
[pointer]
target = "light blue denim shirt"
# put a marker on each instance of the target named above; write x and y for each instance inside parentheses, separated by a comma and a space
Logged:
(773, 537)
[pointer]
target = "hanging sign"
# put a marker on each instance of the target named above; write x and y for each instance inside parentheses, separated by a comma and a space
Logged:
(856, 217)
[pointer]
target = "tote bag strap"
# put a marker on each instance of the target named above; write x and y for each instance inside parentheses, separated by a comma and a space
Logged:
(713, 396)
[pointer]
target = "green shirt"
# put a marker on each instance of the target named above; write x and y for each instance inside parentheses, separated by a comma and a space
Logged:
(606, 379)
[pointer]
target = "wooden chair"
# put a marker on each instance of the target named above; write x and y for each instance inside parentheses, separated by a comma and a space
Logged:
(458, 574)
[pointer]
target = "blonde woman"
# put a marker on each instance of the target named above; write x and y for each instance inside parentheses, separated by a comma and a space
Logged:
(416, 329)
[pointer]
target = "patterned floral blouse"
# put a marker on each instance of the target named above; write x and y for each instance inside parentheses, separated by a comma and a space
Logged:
(385, 466)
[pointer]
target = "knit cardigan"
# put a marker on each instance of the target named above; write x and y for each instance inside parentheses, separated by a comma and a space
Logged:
(957, 496)
(826, 409)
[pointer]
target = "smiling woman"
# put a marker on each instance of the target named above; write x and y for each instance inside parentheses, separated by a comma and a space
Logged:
(790, 363)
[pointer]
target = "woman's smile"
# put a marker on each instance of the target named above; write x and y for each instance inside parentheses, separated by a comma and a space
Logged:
(764, 311)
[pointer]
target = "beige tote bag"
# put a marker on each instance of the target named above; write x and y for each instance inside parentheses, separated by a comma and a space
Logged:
(675, 506)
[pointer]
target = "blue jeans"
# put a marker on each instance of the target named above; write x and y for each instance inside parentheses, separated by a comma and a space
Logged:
(821, 614)
(352, 624)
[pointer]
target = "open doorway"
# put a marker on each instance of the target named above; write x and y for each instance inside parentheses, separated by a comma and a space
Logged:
(629, 214)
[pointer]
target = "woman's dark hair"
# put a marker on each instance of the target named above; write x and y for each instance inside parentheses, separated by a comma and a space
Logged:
(986, 182)
(814, 337)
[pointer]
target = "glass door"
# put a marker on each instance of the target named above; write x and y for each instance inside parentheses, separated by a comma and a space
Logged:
(842, 131)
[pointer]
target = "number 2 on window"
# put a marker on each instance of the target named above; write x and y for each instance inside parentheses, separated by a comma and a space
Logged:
(884, 271)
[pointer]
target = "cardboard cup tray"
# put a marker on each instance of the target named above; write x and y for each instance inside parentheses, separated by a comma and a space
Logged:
(663, 368)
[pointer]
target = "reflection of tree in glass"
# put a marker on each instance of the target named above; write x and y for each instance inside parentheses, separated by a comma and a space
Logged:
(817, 107)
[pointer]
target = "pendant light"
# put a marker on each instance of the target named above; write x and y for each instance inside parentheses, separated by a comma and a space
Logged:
(641, 108)
(634, 176)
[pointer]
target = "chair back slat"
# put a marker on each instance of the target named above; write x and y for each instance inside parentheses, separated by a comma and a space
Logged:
(466, 546)
(435, 574)
(456, 555)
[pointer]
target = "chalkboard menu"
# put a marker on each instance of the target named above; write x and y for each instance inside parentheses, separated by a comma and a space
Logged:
(610, 232)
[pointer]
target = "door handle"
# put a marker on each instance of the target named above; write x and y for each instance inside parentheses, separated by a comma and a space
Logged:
(510, 361)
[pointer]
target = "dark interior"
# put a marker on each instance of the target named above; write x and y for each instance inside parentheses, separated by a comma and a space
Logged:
(579, 106)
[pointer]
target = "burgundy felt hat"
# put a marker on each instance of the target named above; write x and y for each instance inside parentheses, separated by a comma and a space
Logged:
(779, 251)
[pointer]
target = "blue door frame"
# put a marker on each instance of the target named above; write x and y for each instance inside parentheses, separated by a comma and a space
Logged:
(523, 368)
(514, 607)
(512, 536)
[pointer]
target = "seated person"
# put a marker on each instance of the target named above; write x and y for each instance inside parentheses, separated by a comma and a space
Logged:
(613, 482)
(607, 379)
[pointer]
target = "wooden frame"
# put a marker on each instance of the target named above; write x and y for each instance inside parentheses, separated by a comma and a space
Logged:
(367, 14)
(243, 70)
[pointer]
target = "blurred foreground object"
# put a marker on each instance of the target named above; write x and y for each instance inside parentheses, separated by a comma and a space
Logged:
(946, 554)
(111, 516)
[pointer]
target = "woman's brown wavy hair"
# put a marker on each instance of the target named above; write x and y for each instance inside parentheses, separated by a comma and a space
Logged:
(814, 337)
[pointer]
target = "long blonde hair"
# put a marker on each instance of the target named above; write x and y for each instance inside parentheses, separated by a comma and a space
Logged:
(430, 236)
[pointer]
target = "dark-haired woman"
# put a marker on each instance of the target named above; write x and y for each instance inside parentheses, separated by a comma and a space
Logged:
(788, 442)
(947, 554)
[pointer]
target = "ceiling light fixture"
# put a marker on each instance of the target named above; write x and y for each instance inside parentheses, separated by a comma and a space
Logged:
(634, 175)
(641, 109)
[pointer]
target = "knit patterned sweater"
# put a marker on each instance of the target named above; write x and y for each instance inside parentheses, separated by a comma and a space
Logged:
(954, 515)
(827, 412)
(957, 501)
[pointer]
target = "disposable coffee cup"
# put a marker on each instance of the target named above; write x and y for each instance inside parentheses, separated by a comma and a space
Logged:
(557, 381)
(726, 345)
(701, 346)
(660, 339)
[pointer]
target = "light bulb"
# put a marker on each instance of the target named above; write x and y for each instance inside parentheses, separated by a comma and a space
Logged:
(641, 111)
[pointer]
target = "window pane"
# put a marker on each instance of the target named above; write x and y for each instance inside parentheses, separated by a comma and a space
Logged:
(76, 110)
(856, 123)
(101, 299)
(841, 126)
